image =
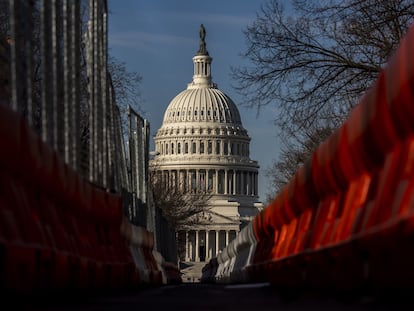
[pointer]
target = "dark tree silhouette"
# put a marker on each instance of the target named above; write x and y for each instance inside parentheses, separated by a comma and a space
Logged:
(314, 61)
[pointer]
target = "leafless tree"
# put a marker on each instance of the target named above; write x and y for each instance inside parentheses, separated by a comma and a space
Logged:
(291, 157)
(179, 206)
(126, 84)
(314, 60)
(318, 61)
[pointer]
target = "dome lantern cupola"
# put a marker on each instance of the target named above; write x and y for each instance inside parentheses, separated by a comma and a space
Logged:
(202, 65)
(202, 101)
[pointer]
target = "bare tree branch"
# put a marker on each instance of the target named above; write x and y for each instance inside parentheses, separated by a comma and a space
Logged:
(315, 61)
(324, 55)
(179, 206)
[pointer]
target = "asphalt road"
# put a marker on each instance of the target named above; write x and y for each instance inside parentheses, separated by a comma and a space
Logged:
(204, 297)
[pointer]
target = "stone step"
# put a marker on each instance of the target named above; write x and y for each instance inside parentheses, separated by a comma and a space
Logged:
(191, 271)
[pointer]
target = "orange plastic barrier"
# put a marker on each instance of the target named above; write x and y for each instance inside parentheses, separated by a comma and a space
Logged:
(337, 222)
(57, 231)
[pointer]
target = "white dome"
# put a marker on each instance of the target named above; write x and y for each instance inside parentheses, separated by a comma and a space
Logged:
(204, 104)
(203, 146)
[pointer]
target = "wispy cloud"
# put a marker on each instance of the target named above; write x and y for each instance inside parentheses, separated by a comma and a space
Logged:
(216, 18)
(145, 41)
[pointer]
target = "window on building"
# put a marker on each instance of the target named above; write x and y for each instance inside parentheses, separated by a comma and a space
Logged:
(209, 147)
(194, 148)
(210, 182)
(172, 148)
(178, 148)
(226, 148)
(202, 176)
(201, 147)
(186, 148)
(166, 148)
(217, 147)
(193, 181)
(220, 184)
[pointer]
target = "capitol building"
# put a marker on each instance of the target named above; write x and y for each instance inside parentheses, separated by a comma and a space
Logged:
(203, 146)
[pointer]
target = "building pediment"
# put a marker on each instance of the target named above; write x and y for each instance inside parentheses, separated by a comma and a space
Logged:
(217, 218)
(213, 219)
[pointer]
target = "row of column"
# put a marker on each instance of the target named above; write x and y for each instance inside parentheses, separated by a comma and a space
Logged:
(202, 245)
(218, 181)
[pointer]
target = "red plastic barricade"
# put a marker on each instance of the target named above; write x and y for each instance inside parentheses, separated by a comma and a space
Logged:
(346, 218)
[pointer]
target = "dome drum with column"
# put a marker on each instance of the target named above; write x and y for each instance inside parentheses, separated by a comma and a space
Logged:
(203, 146)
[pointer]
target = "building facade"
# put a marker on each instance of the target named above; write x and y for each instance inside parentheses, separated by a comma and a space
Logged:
(203, 146)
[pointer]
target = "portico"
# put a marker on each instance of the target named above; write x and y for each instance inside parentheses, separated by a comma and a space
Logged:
(204, 244)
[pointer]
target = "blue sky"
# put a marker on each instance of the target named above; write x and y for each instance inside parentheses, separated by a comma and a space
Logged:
(158, 39)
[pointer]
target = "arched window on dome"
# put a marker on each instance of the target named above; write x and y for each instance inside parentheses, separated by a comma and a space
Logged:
(201, 147)
(186, 148)
(217, 147)
(194, 147)
(166, 148)
(209, 147)
(178, 148)
(226, 148)
(172, 148)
